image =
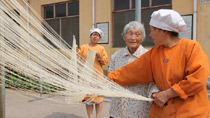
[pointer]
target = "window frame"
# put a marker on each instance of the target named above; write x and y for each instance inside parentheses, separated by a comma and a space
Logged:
(54, 10)
(58, 18)
(131, 7)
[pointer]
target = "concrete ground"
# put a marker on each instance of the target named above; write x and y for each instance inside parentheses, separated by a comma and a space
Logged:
(18, 105)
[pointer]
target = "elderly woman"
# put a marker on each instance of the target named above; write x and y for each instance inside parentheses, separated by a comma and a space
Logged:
(134, 35)
(179, 67)
(100, 59)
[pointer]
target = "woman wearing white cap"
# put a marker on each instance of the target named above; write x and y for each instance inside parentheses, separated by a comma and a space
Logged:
(179, 67)
(133, 35)
(101, 59)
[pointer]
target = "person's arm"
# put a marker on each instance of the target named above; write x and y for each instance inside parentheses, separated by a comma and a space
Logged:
(79, 50)
(139, 71)
(80, 53)
(197, 71)
(102, 57)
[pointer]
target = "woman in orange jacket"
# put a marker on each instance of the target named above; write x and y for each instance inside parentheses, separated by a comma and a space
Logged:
(100, 59)
(179, 67)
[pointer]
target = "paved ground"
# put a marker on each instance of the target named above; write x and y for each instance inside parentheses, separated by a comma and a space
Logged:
(19, 106)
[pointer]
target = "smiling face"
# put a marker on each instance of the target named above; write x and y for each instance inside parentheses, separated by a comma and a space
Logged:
(94, 38)
(133, 39)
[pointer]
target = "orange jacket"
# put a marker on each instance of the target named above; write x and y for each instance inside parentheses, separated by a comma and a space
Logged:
(83, 51)
(183, 67)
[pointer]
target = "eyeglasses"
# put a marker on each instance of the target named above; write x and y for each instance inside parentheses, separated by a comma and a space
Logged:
(137, 34)
(95, 34)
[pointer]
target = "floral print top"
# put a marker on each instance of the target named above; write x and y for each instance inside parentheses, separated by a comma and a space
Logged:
(125, 107)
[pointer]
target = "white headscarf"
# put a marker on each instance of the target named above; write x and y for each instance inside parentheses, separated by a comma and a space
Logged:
(169, 20)
(96, 30)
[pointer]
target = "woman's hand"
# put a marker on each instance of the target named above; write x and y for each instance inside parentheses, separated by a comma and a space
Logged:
(161, 98)
(98, 55)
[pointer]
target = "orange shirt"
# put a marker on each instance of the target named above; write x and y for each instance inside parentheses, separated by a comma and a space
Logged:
(83, 51)
(183, 67)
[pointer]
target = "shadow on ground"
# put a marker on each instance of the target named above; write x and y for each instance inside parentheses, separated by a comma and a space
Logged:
(62, 115)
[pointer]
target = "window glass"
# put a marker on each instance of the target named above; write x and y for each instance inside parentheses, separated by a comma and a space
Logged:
(160, 2)
(48, 12)
(55, 24)
(120, 20)
(70, 27)
(60, 10)
(121, 4)
(73, 8)
(144, 3)
(133, 3)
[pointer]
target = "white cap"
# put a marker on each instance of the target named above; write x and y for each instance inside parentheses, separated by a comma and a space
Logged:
(169, 20)
(96, 30)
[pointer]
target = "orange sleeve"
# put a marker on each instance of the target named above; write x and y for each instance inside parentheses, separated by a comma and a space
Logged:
(82, 53)
(139, 71)
(105, 59)
(80, 50)
(197, 71)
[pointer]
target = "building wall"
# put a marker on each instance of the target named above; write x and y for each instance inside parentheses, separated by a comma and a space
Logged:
(85, 20)
(103, 13)
(203, 27)
(183, 7)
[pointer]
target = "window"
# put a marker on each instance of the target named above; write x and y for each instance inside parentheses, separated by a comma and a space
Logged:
(144, 3)
(70, 27)
(121, 4)
(55, 24)
(60, 10)
(65, 20)
(48, 11)
(120, 19)
(124, 12)
(160, 2)
(73, 8)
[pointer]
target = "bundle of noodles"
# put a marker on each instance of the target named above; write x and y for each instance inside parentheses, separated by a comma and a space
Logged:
(35, 57)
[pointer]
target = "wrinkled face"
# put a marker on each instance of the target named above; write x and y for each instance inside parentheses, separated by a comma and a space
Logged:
(157, 35)
(133, 38)
(94, 37)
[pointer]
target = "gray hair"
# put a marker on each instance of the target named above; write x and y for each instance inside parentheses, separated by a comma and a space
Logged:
(135, 25)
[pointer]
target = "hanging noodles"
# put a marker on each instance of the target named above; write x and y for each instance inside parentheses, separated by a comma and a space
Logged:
(33, 54)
